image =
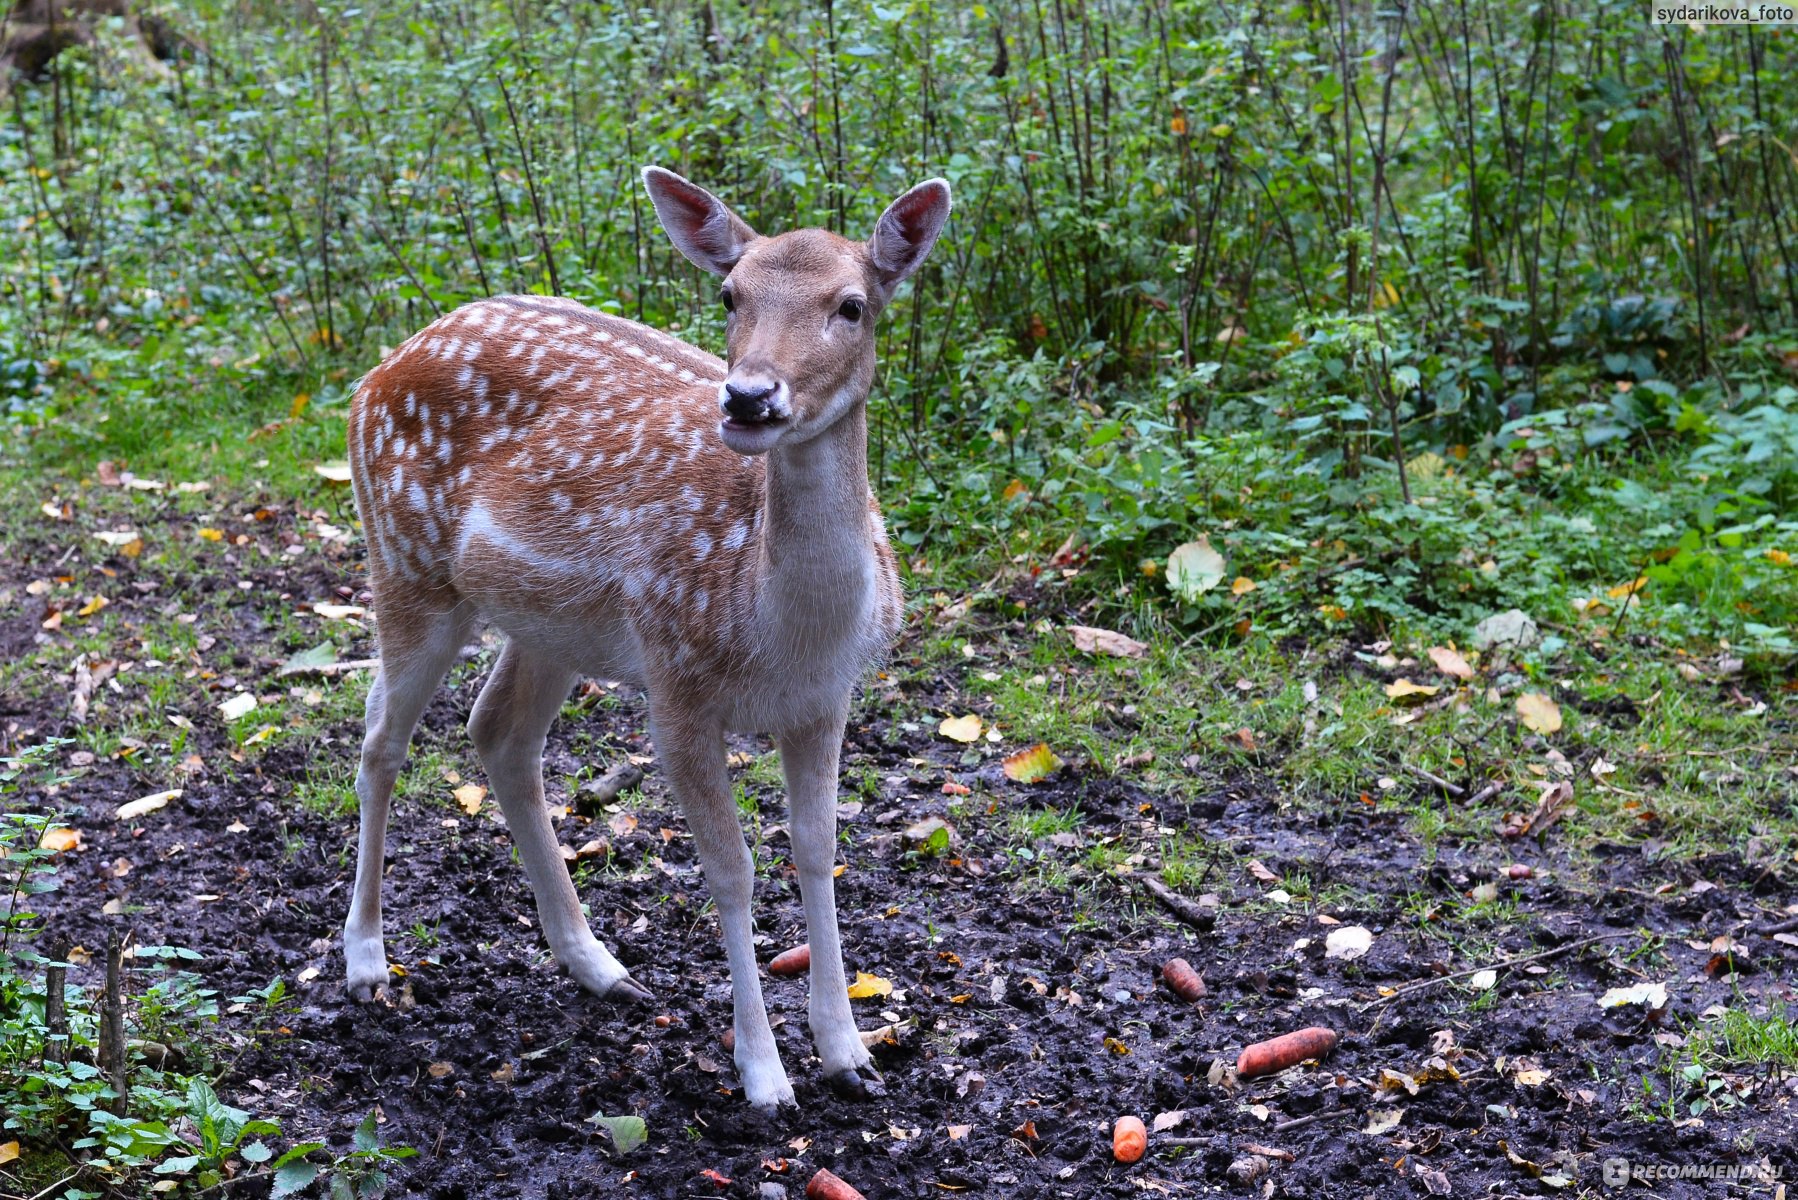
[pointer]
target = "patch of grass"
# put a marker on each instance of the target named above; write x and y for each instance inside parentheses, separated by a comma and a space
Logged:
(1739, 1039)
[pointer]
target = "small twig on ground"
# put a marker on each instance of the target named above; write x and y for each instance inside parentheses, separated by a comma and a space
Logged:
(1777, 927)
(621, 778)
(336, 668)
(1314, 1118)
(1454, 790)
(1422, 984)
(1192, 914)
(1486, 793)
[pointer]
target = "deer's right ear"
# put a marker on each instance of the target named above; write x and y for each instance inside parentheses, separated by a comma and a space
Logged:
(698, 223)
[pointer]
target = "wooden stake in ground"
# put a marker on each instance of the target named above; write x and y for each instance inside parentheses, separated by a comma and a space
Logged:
(56, 1013)
(112, 1025)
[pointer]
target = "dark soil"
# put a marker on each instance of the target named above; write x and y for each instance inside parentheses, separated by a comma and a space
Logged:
(1033, 1015)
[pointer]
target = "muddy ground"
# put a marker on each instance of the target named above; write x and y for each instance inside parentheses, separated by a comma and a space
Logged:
(1032, 1016)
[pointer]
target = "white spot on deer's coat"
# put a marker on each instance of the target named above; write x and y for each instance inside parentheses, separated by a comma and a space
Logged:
(739, 533)
(702, 544)
(411, 404)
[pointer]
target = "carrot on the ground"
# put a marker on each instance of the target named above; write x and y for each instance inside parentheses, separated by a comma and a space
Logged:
(1276, 1054)
(825, 1186)
(1182, 980)
(1129, 1139)
(796, 961)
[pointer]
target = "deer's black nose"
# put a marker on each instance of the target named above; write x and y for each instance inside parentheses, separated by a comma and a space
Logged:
(750, 403)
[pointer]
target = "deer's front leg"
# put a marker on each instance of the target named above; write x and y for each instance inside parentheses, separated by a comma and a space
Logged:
(809, 758)
(692, 752)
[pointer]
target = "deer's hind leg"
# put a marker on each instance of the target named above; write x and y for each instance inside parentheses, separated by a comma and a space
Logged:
(417, 650)
(509, 724)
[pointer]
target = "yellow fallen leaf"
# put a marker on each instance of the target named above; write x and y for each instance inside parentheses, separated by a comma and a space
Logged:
(300, 401)
(1627, 589)
(1403, 689)
(132, 548)
(211, 535)
(1539, 713)
(469, 796)
(147, 804)
(261, 735)
(336, 472)
(59, 838)
(1242, 586)
(961, 729)
(9, 1151)
(1448, 660)
(94, 605)
(1028, 766)
(1014, 489)
(1779, 557)
(867, 985)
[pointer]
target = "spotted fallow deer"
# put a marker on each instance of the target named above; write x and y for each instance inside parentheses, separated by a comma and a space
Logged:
(626, 506)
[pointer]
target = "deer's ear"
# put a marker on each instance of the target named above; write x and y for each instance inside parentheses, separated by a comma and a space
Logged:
(906, 232)
(698, 223)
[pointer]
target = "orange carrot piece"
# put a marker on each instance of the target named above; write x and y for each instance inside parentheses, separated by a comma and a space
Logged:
(1129, 1139)
(825, 1186)
(1182, 980)
(796, 961)
(1276, 1054)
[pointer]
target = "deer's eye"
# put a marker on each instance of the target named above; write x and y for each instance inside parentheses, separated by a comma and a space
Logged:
(730, 302)
(850, 310)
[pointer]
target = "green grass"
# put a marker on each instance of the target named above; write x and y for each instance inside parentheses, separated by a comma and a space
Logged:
(1739, 1039)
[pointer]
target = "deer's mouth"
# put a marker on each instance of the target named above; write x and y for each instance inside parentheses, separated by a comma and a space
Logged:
(753, 435)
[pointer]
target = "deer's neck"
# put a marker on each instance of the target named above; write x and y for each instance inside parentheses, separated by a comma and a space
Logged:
(817, 567)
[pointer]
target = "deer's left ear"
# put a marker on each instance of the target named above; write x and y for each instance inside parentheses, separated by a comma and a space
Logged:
(906, 232)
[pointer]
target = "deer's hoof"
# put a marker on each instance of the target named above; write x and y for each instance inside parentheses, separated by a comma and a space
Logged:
(628, 991)
(367, 991)
(857, 1083)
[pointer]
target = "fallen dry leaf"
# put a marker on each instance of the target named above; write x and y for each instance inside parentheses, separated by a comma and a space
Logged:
(1242, 585)
(1089, 639)
(9, 1151)
(1029, 766)
(1404, 689)
(1348, 942)
(469, 797)
(867, 985)
(334, 472)
(963, 729)
(237, 706)
(1651, 996)
(1448, 660)
(59, 838)
(146, 805)
(1538, 713)
(1194, 569)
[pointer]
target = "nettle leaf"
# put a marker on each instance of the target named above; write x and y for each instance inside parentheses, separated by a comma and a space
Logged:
(627, 1131)
(367, 1138)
